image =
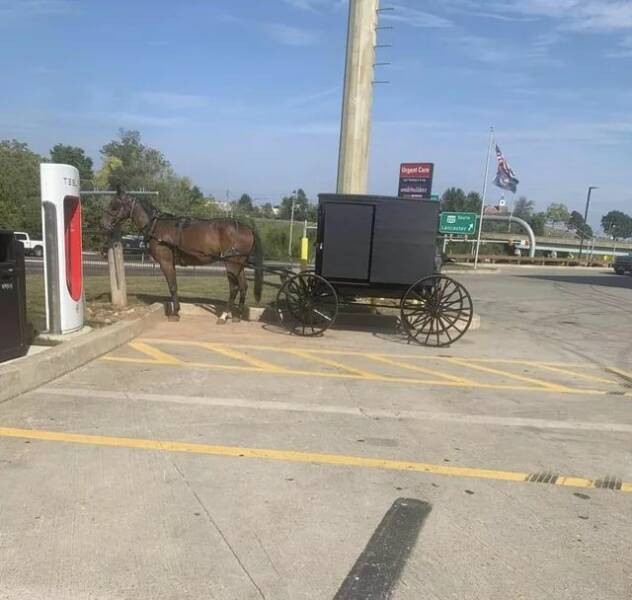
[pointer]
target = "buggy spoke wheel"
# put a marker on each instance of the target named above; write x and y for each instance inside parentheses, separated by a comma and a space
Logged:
(307, 304)
(436, 311)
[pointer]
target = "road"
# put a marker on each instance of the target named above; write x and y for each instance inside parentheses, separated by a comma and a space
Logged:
(237, 462)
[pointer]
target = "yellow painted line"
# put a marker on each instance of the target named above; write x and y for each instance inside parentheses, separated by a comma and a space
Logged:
(241, 356)
(159, 356)
(574, 374)
(538, 382)
(334, 352)
(359, 373)
(287, 456)
(381, 378)
(405, 365)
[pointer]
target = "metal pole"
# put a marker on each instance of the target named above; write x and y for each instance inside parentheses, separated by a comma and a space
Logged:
(581, 243)
(480, 221)
(289, 244)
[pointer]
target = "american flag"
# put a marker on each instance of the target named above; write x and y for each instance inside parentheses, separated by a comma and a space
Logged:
(505, 177)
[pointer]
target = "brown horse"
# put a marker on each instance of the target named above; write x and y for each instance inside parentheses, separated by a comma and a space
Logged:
(187, 241)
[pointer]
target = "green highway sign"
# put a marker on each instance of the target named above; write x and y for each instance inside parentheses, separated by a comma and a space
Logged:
(459, 223)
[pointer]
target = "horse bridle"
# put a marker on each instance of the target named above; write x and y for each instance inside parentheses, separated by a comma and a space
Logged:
(119, 215)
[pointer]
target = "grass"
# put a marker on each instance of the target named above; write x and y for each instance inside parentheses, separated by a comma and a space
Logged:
(144, 290)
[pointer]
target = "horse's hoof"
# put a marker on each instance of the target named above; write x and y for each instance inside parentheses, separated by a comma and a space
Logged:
(221, 321)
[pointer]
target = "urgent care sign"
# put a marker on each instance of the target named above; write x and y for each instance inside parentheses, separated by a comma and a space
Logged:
(415, 180)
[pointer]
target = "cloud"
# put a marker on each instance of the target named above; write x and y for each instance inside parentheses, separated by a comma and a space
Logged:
(307, 99)
(624, 49)
(291, 36)
(172, 101)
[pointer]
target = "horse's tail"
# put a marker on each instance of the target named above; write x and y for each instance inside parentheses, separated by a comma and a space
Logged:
(258, 263)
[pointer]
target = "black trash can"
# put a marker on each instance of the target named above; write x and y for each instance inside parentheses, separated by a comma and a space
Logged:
(14, 340)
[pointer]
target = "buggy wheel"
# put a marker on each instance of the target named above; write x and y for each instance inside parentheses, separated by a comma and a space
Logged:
(436, 311)
(307, 304)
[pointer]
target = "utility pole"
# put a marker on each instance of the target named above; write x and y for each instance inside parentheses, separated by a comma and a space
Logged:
(289, 244)
(357, 100)
(581, 242)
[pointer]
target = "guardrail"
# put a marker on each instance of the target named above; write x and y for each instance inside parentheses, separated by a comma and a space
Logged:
(525, 260)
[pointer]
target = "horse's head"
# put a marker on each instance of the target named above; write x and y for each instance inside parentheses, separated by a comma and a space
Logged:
(119, 209)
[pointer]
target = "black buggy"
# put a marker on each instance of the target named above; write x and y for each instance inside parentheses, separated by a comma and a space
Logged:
(378, 248)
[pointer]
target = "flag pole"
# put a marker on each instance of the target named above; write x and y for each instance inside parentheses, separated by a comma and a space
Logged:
(480, 221)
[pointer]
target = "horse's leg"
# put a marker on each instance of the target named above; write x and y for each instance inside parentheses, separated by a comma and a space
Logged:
(243, 288)
(233, 287)
(165, 258)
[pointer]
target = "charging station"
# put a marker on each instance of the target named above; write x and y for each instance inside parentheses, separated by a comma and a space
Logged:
(63, 259)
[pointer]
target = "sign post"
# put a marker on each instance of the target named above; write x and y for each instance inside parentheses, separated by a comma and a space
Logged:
(459, 223)
(415, 180)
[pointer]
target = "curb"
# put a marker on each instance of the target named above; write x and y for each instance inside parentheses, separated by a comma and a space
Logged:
(29, 372)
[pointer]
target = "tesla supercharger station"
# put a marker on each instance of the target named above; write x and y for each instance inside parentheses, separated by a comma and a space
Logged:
(63, 264)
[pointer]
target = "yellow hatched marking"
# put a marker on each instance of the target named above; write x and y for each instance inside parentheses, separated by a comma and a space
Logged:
(573, 373)
(251, 360)
(410, 367)
(332, 363)
(538, 382)
(159, 356)
(288, 456)
(374, 377)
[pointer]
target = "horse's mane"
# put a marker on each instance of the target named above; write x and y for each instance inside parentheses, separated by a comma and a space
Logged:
(155, 213)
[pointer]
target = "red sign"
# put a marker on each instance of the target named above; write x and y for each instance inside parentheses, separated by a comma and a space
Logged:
(415, 180)
(414, 170)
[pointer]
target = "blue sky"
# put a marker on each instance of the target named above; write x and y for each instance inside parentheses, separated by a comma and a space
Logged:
(245, 94)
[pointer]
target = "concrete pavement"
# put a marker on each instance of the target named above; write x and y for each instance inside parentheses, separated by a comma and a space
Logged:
(237, 462)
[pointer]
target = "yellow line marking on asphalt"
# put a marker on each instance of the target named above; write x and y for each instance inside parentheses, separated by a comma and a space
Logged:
(371, 355)
(360, 373)
(574, 374)
(159, 356)
(251, 360)
(287, 456)
(381, 378)
(538, 382)
(404, 365)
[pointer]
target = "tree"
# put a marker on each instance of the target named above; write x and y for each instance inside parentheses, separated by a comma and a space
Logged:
(20, 203)
(576, 223)
(523, 208)
(75, 156)
(267, 211)
(140, 166)
(537, 222)
(455, 200)
(303, 210)
(617, 224)
(557, 213)
(244, 204)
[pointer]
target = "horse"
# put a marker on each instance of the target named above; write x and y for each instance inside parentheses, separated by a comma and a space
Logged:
(187, 241)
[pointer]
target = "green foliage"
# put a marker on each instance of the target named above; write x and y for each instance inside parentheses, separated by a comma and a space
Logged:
(617, 224)
(576, 223)
(19, 188)
(455, 200)
(538, 222)
(244, 204)
(140, 166)
(75, 156)
(303, 209)
(523, 208)
(557, 213)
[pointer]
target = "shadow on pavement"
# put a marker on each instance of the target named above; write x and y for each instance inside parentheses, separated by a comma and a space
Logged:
(612, 281)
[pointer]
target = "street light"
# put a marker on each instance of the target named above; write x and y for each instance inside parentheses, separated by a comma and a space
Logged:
(289, 245)
(581, 243)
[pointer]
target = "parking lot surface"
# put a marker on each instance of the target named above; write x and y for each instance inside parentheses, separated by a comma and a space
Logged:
(238, 462)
